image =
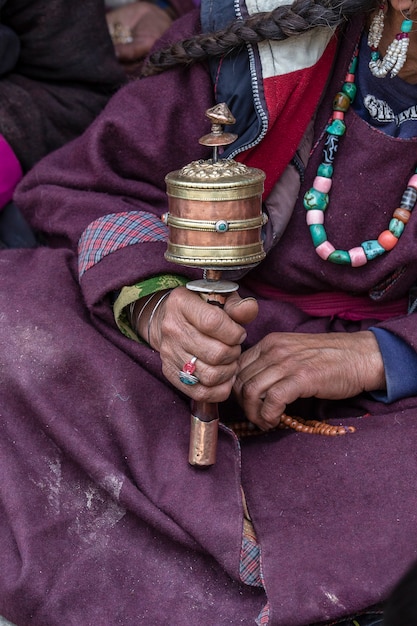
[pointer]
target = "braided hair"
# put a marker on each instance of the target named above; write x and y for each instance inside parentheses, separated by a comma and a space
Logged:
(283, 22)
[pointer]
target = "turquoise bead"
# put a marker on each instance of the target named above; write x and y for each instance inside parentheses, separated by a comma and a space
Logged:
(314, 199)
(353, 65)
(396, 227)
(318, 234)
(350, 90)
(372, 249)
(341, 257)
(406, 26)
(375, 55)
(337, 127)
(325, 170)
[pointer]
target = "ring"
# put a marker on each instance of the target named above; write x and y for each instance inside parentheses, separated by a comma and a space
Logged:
(120, 34)
(186, 375)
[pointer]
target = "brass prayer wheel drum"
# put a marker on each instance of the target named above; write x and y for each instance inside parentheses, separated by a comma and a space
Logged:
(215, 214)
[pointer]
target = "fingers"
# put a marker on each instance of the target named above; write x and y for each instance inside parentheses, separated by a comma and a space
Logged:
(135, 27)
(189, 327)
(200, 380)
(286, 366)
(264, 392)
(195, 320)
(242, 311)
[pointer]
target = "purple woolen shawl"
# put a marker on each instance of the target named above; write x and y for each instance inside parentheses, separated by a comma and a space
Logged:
(104, 520)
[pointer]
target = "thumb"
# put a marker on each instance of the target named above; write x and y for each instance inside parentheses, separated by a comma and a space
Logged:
(241, 310)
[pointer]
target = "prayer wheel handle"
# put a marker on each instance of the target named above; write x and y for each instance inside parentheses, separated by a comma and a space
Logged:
(205, 415)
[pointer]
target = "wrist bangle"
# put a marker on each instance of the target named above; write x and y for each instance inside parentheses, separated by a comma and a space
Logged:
(152, 315)
(135, 323)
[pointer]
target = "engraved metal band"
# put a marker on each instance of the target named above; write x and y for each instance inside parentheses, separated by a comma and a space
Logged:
(214, 256)
(216, 225)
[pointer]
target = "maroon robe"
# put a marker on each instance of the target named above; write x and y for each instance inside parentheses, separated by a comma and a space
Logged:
(104, 521)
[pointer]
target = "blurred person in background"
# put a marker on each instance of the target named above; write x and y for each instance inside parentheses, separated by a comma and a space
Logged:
(56, 74)
(136, 26)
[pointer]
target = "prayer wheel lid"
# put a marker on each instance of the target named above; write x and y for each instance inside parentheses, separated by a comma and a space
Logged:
(215, 173)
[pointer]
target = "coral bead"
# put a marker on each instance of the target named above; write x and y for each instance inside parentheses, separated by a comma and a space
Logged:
(387, 240)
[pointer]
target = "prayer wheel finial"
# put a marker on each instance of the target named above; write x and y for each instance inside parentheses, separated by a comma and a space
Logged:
(219, 116)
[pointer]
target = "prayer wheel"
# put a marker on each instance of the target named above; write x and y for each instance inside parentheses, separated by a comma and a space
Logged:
(215, 222)
(215, 214)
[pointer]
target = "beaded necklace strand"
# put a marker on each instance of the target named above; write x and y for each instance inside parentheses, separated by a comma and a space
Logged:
(316, 199)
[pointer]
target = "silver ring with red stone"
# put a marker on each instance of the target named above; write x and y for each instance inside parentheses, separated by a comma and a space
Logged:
(186, 375)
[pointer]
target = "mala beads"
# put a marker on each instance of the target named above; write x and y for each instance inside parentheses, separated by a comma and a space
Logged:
(312, 427)
(316, 199)
(396, 53)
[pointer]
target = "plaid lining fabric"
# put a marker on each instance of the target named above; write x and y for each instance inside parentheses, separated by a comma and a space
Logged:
(250, 567)
(263, 617)
(250, 563)
(115, 231)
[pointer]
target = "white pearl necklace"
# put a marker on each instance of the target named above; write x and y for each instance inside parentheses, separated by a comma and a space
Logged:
(396, 54)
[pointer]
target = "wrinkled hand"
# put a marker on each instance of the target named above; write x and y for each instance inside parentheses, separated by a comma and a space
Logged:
(283, 367)
(186, 326)
(145, 21)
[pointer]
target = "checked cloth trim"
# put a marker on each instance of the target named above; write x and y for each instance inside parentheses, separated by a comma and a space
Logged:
(115, 231)
(250, 568)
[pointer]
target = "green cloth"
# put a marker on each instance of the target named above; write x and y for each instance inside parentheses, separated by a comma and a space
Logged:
(132, 293)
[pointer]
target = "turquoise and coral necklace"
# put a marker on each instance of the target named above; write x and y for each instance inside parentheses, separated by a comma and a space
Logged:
(316, 199)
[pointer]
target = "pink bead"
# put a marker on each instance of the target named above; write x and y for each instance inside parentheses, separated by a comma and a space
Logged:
(338, 115)
(323, 184)
(325, 249)
(413, 181)
(357, 256)
(315, 217)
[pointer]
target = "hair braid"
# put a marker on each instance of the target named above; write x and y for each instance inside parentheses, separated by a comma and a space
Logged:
(277, 25)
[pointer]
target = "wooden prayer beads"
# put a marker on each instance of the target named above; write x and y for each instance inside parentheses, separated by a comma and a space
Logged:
(312, 427)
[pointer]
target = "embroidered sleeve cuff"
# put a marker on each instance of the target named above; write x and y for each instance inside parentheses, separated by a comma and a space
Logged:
(10, 172)
(400, 362)
(132, 293)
